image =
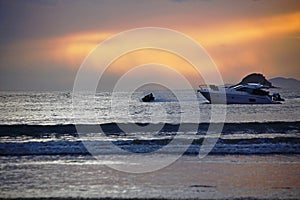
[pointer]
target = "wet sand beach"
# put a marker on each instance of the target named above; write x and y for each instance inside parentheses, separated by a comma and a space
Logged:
(217, 177)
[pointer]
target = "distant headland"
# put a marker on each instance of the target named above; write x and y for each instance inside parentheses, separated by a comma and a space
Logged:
(286, 82)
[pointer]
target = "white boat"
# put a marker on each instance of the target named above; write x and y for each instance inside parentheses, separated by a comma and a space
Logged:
(252, 93)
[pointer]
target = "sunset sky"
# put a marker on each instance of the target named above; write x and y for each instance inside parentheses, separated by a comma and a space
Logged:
(43, 43)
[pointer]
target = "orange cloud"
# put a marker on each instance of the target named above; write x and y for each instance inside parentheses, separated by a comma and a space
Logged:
(140, 57)
(70, 50)
(73, 48)
(257, 45)
(247, 30)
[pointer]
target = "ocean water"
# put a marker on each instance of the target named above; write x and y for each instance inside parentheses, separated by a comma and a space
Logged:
(37, 123)
(52, 108)
(43, 131)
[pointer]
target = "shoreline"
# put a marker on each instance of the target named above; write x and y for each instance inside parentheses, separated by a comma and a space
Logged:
(213, 177)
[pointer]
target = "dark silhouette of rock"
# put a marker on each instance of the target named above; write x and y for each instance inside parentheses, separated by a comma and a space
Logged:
(256, 78)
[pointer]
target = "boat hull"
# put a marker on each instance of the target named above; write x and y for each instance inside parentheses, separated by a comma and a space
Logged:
(234, 98)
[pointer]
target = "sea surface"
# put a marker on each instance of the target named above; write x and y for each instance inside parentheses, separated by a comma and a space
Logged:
(45, 136)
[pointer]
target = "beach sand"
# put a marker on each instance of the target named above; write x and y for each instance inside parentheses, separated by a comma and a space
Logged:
(231, 176)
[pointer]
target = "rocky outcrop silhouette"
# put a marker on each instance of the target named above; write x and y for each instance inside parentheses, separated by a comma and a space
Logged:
(256, 78)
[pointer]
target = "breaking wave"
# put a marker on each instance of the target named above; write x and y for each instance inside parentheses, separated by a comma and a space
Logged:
(236, 138)
(114, 128)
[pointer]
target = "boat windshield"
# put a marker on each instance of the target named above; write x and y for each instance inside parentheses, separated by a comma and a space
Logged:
(252, 91)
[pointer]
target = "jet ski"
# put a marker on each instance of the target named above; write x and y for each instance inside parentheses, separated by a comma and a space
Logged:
(148, 98)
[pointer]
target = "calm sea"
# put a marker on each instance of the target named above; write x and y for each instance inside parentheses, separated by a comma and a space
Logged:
(46, 128)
